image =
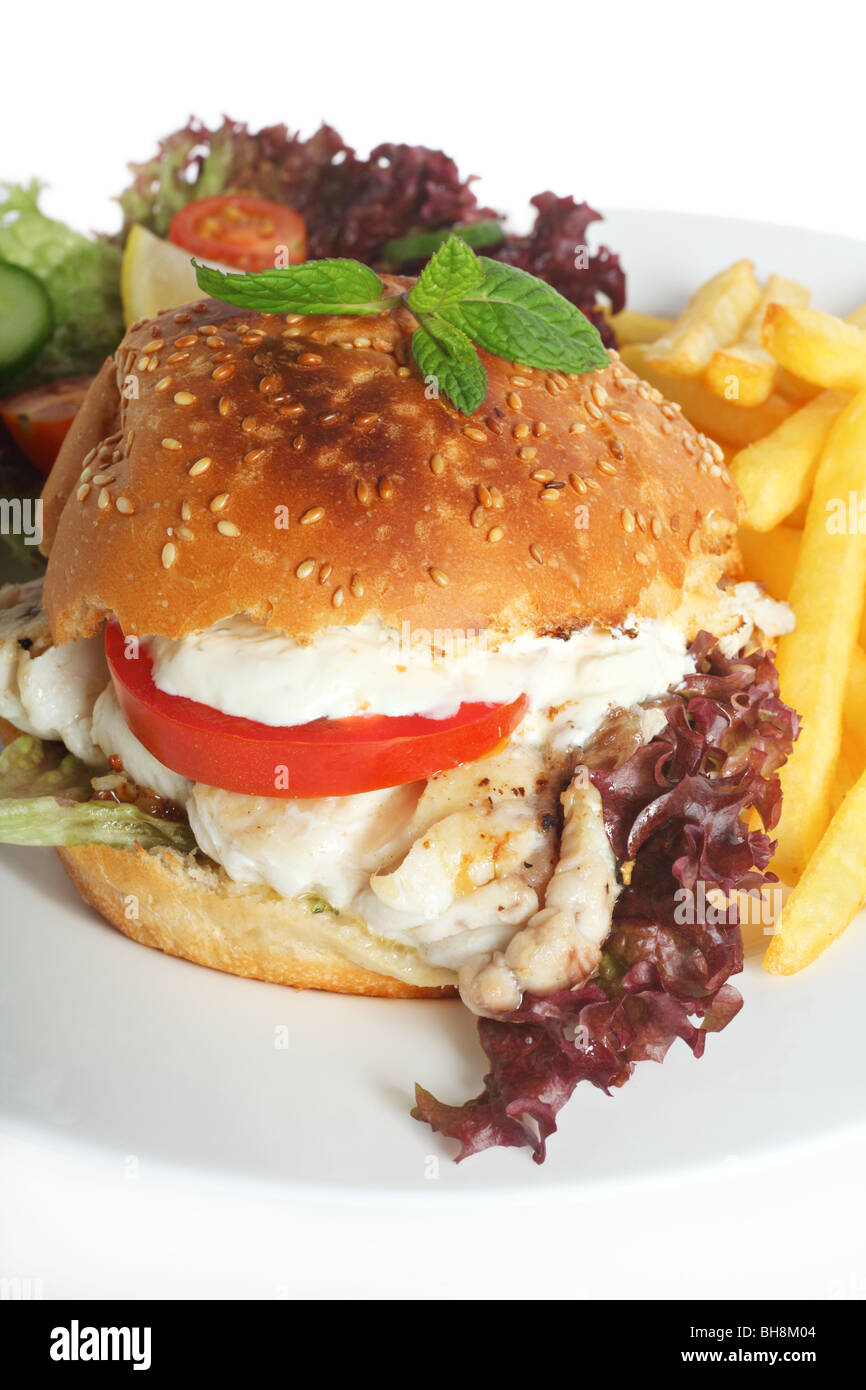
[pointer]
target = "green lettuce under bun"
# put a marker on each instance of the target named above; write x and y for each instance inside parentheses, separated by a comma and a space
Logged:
(44, 800)
(82, 277)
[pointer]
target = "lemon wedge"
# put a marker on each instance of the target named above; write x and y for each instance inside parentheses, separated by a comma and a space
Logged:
(154, 275)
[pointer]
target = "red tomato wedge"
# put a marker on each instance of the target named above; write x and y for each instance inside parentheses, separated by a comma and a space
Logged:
(241, 231)
(38, 420)
(328, 757)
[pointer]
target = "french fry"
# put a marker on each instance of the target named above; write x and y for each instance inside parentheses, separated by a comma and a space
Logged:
(632, 327)
(857, 317)
(848, 768)
(829, 893)
(745, 372)
(854, 713)
(822, 349)
(770, 557)
(827, 598)
(714, 317)
(721, 420)
(775, 474)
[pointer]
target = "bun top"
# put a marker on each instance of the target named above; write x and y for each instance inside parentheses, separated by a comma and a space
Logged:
(300, 470)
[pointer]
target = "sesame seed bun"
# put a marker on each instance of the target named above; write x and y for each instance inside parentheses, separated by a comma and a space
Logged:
(300, 470)
(188, 908)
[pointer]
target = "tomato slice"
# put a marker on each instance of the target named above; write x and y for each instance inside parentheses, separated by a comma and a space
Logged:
(239, 230)
(327, 757)
(39, 420)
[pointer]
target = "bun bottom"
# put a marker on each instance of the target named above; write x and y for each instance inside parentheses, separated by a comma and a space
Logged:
(186, 909)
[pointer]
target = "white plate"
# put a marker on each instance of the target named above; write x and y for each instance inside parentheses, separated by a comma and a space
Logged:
(130, 1052)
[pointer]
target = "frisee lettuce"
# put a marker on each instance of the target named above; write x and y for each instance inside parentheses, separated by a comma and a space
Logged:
(44, 795)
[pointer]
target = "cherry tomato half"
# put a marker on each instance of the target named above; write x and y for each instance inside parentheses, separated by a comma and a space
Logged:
(327, 757)
(240, 231)
(39, 420)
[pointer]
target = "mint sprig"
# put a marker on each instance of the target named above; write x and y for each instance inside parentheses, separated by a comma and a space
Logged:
(459, 299)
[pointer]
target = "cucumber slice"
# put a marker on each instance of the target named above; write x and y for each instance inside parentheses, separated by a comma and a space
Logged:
(26, 317)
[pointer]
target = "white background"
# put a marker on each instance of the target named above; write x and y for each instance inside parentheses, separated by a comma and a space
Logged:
(746, 109)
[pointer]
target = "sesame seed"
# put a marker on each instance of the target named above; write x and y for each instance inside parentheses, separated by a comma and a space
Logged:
(540, 428)
(577, 429)
(325, 573)
(526, 453)
(548, 494)
(163, 384)
(101, 478)
(617, 448)
(83, 491)
(356, 585)
(656, 527)
(337, 598)
(513, 401)
(291, 412)
(298, 442)
(124, 505)
(104, 499)
(496, 498)
(363, 342)
(641, 520)
(169, 555)
(294, 318)
(495, 534)
(626, 516)
(362, 492)
(437, 464)
(641, 558)
(695, 542)
(176, 357)
(367, 418)
(223, 372)
(593, 411)
(385, 489)
(643, 391)
(228, 528)
(403, 371)
(305, 569)
(598, 393)
(185, 511)
(153, 346)
(311, 515)
(129, 440)
(593, 485)
(577, 483)
(171, 444)
(542, 475)
(477, 517)
(329, 418)
(217, 503)
(255, 455)
(536, 553)
(483, 495)
(269, 384)
(605, 466)
(181, 318)
(189, 340)
(310, 359)
(184, 398)
(185, 533)
(521, 431)
(439, 578)
(472, 433)
(200, 466)
(622, 417)
(224, 405)
(520, 381)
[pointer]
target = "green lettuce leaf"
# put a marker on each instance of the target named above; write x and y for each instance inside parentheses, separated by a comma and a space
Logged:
(81, 275)
(44, 795)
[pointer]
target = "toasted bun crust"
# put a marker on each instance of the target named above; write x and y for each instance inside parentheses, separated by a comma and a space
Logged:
(325, 453)
(194, 911)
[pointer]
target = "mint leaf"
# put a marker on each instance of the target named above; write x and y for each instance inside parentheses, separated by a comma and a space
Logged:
(522, 319)
(445, 353)
(314, 287)
(447, 278)
(417, 248)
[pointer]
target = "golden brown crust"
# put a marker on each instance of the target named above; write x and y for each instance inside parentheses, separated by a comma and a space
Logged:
(159, 900)
(564, 500)
(97, 419)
